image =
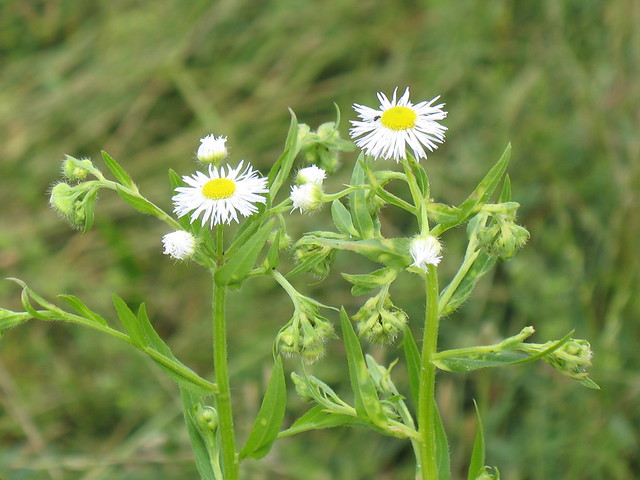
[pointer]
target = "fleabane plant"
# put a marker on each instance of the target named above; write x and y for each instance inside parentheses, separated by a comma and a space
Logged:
(394, 139)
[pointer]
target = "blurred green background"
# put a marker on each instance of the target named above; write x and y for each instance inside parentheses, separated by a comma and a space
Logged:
(145, 80)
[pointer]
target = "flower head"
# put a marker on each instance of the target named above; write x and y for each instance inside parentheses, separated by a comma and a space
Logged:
(180, 245)
(220, 196)
(212, 149)
(425, 251)
(398, 124)
(307, 197)
(311, 174)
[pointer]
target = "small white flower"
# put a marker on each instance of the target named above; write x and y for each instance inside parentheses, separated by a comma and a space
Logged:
(179, 244)
(220, 196)
(397, 125)
(212, 149)
(306, 197)
(311, 174)
(425, 251)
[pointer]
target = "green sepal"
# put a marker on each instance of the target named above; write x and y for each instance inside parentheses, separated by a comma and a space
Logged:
(236, 269)
(342, 219)
(367, 403)
(267, 424)
(476, 463)
(362, 220)
(365, 283)
(117, 171)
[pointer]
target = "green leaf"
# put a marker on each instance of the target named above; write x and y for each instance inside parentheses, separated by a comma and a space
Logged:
(363, 284)
(392, 252)
(267, 424)
(475, 361)
(129, 322)
(412, 357)
(482, 264)
(89, 209)
(139, 203)
(80, 307)
(505, 194)
(477, 455)
(118, 171)
(587, 382)
(358, 203)
(318, 418)
(443, 460)
(198, 445)
(282, 167)
(367, 403)
(10, 319)
(244, 258)
(342, 219)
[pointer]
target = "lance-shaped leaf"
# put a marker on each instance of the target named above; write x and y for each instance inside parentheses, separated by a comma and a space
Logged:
(240, 264)
(342, 219)
(393, 252)
(480, 195)
(478, 454)
(367, 403)
(280, 170)
(318, 418)
(358, 203)
(443, 457)
(117, 171)
(198, 445)
(80, 307)
(139, 203)
(365, 283)
(267, 424)
(482, 263)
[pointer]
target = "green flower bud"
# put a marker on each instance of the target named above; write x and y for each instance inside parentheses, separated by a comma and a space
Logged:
(322, 256)
(207, 417)
(305, 334)
(72, 202)
(75, 169)
(302, 389)
(379, 320)
(486, 474)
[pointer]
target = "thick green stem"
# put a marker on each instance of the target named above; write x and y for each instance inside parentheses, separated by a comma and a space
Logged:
(426, 398)
(223, 398)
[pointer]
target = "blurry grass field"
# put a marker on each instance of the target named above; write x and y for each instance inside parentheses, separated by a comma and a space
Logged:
(144, 81)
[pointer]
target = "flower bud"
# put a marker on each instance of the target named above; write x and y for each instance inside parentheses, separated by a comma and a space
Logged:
(302, 389)
(206, 417)
(74, 169)
(379, 320)
(304, 250)
(486, 474)
(180, 245)
(212, 150)
(305, 334)
(425, 250)
(311, 174)
(72, 202)
(307, 197)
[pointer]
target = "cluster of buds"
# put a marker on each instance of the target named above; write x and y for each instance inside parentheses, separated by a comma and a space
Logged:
(502, 238)
(306, 333)
(311, 251)
(572, 359)
(323, 146)
(379, 320)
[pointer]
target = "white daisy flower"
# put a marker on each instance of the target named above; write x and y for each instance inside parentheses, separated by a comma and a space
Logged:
(306, 197)
(212, 149)
(220, 196)
(180, 245)
(425, 251)
(311, 174)
(396, 125)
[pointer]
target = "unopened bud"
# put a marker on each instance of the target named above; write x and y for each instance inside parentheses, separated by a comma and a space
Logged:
(212, 150)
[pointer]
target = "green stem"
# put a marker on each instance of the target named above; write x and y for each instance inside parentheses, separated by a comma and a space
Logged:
(223, 398)
(426, 397)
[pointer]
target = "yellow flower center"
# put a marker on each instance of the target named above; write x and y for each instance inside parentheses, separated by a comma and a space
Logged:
(219, 188)
(399, 118)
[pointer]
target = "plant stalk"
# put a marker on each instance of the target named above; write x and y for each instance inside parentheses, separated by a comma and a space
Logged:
(427, 464)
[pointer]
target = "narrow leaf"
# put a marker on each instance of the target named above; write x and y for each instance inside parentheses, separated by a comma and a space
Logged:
(236, 269)
(342, 219)
(267, 424)
(412, 357)
(318, 418)
(358, 203)
(129, 322)
(80, 307)
(117, 171)
(367, 403)
(139, 203)
(478, 454)
(281, 168)
(198, 446)
(443, 457)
